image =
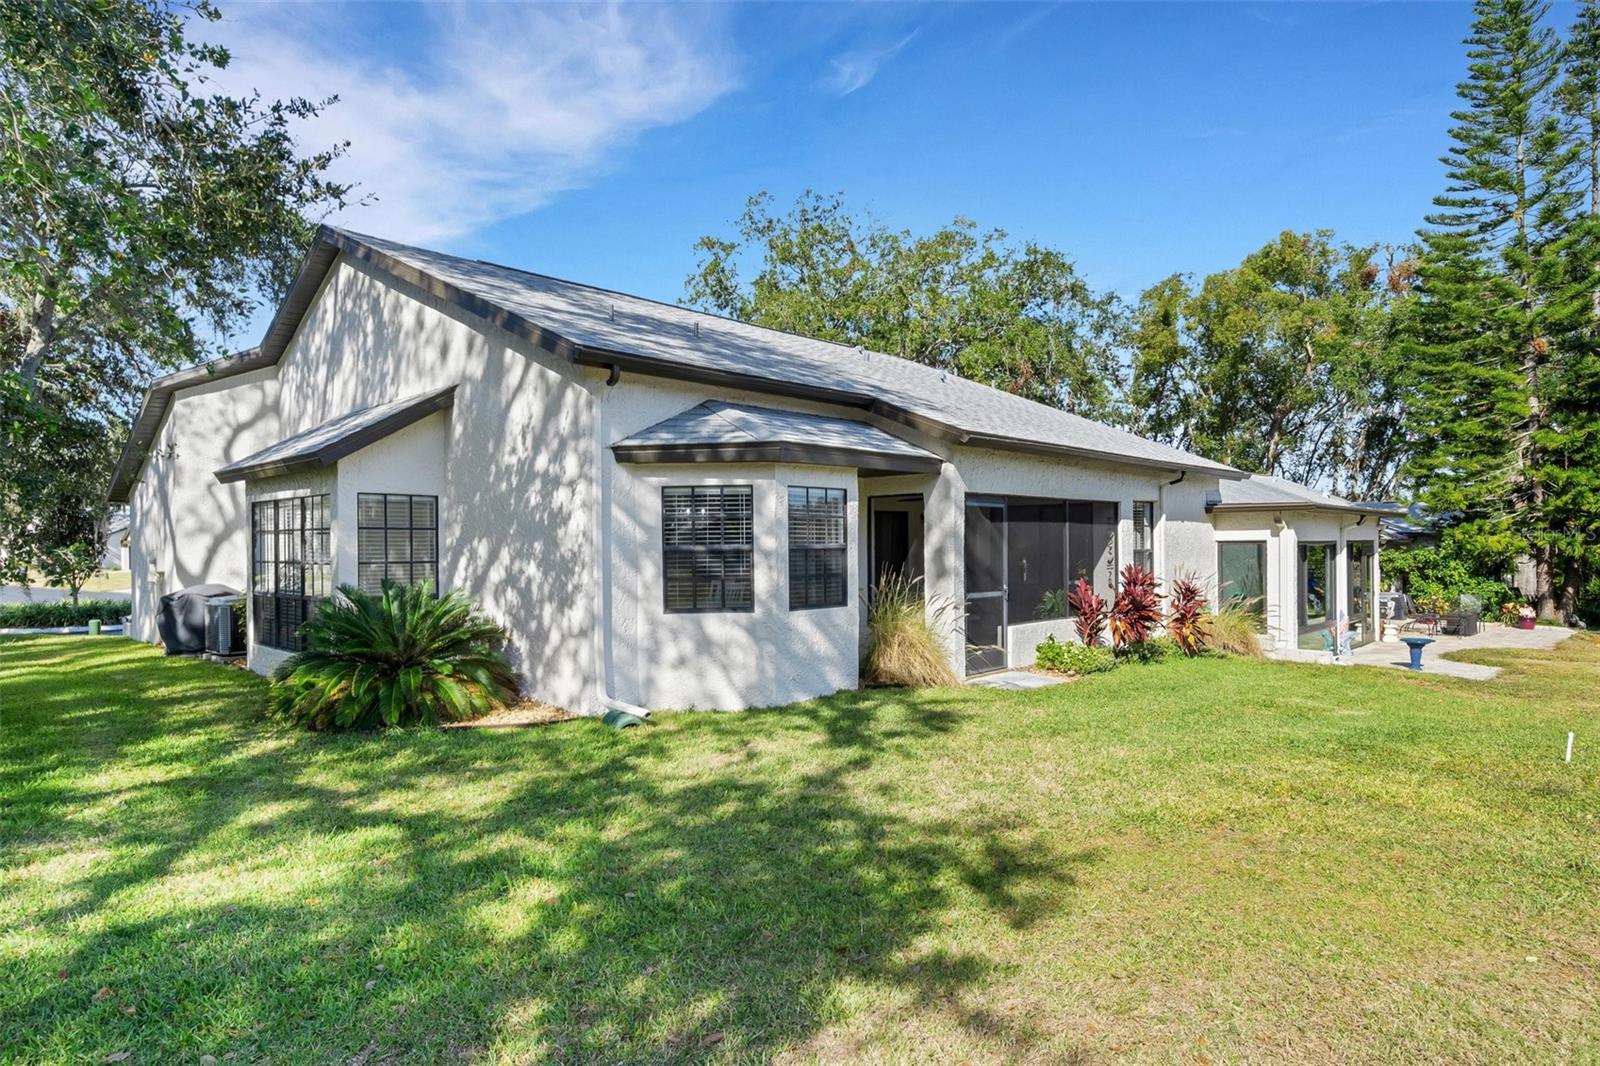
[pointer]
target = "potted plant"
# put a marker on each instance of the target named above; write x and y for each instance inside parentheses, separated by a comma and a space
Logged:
(1526, 619)
(1510, 613)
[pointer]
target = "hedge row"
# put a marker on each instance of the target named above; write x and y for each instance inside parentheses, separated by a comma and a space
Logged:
(60, 613)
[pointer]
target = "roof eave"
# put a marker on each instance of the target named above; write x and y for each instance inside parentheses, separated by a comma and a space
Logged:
(777, 452)
(332, 452)
(153, 410)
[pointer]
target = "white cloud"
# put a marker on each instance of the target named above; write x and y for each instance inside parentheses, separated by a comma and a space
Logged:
(854, 69)
(489, 111)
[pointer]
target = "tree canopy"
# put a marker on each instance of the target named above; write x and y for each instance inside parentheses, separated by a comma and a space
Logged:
(1282, 365)
(1017, 317)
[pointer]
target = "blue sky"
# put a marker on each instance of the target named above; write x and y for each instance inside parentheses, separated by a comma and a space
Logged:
(598, 143)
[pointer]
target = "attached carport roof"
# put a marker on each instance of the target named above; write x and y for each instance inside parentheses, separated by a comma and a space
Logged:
(326, 444)
(716, 431)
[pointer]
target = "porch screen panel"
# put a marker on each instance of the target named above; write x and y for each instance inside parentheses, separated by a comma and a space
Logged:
(291, 566)
(1092, 545)
(397, 539)
(1241, 576)
(707, 548)
(1036, 576)
(816, 548)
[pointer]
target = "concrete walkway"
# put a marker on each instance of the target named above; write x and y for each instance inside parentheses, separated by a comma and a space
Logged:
(1395, 655)
(1016, 680)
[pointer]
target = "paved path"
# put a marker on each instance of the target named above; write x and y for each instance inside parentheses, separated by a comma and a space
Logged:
(1381, 653)
(40, 594)
(1016, 680)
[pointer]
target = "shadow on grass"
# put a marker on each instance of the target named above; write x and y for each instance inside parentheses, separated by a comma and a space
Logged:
(703, 888)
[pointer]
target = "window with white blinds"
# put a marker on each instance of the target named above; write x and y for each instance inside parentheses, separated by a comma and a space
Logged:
(397, 539)
(816, 548)
(707, 548)
(1144, 536)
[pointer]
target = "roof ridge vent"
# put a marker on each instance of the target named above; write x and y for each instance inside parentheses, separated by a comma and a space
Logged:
(613, 314)
(697, 327)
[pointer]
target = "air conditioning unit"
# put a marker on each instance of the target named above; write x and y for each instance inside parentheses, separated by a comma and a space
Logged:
(225, 626)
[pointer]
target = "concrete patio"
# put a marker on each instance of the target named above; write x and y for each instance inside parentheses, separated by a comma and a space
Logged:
(1396, 655)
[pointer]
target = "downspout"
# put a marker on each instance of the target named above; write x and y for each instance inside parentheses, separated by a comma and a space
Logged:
(602, 561)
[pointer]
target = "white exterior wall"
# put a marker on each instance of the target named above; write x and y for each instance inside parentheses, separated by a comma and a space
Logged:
(186, 528)
(1183, 542)
(512, 462)
(1283, 532)
(718, 660)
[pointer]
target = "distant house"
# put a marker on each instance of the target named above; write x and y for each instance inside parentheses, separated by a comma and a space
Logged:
(114, 555)
(668, 508)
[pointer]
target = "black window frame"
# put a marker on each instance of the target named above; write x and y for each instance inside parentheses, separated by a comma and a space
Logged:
(810, 558)
(724, 542)
(396, 532)
(290, 582)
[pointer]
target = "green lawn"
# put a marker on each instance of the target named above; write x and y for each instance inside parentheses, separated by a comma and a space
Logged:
(1209, 861)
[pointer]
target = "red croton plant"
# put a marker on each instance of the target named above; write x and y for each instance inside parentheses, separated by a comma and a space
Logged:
(1186, 616)
(1089, 612)
(1137, 608)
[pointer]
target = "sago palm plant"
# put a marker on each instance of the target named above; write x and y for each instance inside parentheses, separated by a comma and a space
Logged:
(405, 657)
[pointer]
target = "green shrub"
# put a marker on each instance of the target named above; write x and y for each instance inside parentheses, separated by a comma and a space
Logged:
(1589, 604)
(1445, 573)
(1155, 650)
(61, 613)
(405, 657)
(1072, 658)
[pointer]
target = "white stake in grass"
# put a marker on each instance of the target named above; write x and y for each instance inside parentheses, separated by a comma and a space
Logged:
(1569, 747)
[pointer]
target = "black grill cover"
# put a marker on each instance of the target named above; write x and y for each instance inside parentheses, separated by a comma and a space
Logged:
(181, 617)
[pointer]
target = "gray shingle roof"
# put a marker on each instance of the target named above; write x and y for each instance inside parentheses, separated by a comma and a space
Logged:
(740, 432)
(331, 441)
(1264, 492)
(596, 325)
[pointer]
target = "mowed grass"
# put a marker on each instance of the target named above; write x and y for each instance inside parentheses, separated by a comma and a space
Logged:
(1210, 861)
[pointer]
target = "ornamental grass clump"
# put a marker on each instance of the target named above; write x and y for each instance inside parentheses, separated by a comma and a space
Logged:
(1186, 616)
(1089, 613)
(1234, 629)
(1137, 609)
(404, 657)
(903, 627)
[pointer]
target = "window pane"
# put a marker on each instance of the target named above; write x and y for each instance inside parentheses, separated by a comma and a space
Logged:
(370, 577)
(397, 512)
(1241, 575)
(424, 512)
(370, 545)
(399, 549)
(424, 545)
(369, 509)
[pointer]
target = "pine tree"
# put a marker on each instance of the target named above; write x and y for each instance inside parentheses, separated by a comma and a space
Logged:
(1498, 293)
(1571, 437)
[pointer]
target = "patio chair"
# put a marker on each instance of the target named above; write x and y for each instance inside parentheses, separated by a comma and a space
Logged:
(1409, 619)
(1463, 621)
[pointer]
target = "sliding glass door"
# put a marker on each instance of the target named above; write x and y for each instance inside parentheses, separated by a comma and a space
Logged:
(1318, 614)
(1360, 594)
(986, 585)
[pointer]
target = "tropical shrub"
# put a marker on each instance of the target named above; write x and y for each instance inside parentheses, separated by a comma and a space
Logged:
(1155, 650)
(903, 644)
(1089, 612)
(1052, 604)
(403, 657)
(1186, 618)
(61, 613)
(1070, 658)
(1445, 573)
(1137, 609)
(1235, 630)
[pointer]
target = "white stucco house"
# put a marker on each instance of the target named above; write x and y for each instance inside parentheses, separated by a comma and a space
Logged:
(667, 508)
